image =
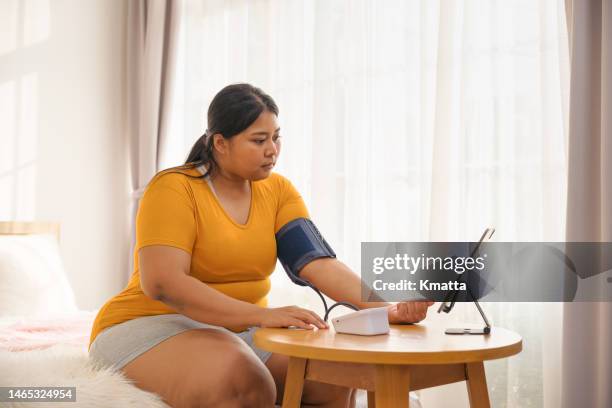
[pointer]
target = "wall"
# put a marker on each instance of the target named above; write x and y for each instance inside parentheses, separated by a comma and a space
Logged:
(63, 151)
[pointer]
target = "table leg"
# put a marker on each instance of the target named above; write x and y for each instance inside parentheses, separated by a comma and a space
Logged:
(392, 384)
(477, 385)
(371, 400)
(294, 383)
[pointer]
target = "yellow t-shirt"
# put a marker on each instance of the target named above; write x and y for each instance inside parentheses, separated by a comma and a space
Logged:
(237, 260)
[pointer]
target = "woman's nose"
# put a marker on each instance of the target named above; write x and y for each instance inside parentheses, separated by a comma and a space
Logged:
(271, 149)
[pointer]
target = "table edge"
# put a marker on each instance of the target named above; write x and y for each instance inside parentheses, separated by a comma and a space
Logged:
(377, 357)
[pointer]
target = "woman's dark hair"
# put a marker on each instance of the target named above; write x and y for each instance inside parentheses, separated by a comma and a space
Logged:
(231, 111)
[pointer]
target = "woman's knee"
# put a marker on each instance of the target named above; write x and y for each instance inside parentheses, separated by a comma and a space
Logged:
(201, 368)
(242, 381)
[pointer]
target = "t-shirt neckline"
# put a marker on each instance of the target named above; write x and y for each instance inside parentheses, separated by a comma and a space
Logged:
(202, 170)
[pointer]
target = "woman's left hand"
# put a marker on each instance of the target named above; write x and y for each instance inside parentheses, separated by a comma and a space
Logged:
(408, 312)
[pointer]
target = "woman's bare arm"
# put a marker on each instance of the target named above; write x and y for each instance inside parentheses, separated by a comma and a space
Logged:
(164, 276)
(337, 281)
(340, 283)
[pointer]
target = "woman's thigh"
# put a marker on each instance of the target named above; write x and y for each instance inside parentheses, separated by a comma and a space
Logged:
(314, 393)
(203, 367)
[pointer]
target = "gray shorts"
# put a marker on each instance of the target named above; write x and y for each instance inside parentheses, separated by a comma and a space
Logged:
(119, 344)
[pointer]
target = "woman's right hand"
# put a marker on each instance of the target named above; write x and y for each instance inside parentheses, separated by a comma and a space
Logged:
(290, 316)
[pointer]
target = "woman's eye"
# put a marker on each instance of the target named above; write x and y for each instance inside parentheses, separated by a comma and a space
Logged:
(276, 138)
(260, 141)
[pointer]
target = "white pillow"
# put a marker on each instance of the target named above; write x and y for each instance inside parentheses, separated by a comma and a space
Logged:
(32, 278)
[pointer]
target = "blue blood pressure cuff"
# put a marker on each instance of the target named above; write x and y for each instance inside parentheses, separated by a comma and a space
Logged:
(298, 243)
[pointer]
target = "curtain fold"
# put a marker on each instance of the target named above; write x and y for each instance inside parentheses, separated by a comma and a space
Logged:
(587, 326)
(153, 28)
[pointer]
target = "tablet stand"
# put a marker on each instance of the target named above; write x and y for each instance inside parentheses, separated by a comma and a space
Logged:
(446, 308)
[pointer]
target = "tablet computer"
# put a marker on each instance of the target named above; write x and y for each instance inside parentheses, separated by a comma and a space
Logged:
(449, 300)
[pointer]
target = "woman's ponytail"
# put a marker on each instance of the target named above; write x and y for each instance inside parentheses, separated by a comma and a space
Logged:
(201, 153)
(197, 152)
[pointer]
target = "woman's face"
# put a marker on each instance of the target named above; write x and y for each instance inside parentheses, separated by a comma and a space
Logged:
(252, 153)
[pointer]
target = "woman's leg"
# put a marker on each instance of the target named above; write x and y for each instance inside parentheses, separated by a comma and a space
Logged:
(315, 394)
(204, 368)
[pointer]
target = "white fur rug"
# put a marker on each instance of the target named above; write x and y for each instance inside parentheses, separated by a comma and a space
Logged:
(70, 366)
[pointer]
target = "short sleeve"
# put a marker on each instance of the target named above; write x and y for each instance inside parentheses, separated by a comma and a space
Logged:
(166, 214)
(290, 206)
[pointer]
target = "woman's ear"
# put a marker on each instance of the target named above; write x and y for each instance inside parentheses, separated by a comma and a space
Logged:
(219, 143)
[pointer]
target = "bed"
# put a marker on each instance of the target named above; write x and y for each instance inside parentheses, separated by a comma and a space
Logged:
(43, 335)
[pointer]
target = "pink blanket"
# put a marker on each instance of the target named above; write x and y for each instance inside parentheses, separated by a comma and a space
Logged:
(24, 334)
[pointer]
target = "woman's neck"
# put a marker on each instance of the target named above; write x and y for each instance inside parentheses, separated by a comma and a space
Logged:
(230, 184)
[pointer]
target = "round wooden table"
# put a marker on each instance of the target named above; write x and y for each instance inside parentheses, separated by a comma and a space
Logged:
(409, 358)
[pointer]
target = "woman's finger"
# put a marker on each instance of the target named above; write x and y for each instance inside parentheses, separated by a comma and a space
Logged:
(413, 310)
(321, 323)
(402, 311)
(405, 310)
(300, 323)
(312, 318)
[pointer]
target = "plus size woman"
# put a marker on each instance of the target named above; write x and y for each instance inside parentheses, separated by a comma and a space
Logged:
(205, 248)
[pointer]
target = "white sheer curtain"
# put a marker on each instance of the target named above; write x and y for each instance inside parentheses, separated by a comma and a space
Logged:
(405, 121)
